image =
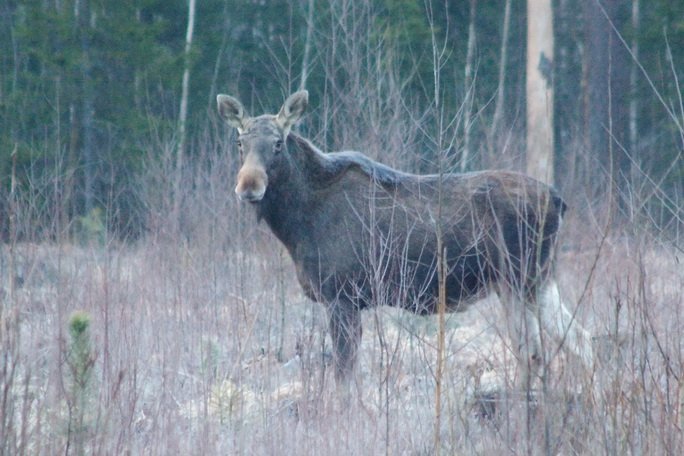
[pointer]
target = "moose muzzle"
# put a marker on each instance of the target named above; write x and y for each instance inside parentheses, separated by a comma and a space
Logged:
(251, 184)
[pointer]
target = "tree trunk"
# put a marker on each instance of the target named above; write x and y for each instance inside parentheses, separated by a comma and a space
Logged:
(633, 80)
(307, 46)
(219, 57)
(85, 21)
(183, 114)
(539, 90)
(503, 59)
(469, 87)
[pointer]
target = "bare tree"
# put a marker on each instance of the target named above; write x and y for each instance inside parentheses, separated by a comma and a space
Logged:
(469, 86)
(539, 90)
(85, 20)
(222, 51)
(503, 59)
(183, 114)
(633, 78)
(307, 46)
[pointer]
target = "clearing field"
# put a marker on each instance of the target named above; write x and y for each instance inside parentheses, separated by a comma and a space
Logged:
(192, 349)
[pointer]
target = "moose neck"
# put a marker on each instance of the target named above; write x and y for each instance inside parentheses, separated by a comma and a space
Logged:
(288, 198)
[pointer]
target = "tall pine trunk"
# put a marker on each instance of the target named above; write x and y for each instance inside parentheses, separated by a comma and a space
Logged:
(539, 90)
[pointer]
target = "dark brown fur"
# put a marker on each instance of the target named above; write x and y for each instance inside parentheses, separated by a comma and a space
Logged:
(328, 209)
(363, 234)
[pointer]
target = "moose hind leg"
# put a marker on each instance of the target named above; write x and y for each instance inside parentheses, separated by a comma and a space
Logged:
(562, 325)
(530, 356)
(345, 330)
(523, 327)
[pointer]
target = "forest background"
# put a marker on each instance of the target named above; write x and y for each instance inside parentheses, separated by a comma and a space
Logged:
(92, 92)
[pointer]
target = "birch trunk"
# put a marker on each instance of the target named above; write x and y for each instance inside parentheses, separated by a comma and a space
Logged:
(469, 87)
(183, 114)
(633, 79)
(539, 90)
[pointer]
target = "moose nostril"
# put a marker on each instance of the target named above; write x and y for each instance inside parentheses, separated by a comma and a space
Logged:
(250, 196)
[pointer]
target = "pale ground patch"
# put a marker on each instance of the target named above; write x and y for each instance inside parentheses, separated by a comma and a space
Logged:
(201, 351)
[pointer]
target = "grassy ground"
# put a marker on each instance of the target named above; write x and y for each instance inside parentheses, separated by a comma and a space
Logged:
(195, 349)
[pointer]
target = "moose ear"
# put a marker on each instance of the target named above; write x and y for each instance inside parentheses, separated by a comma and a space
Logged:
(292, 110)
(232, 111)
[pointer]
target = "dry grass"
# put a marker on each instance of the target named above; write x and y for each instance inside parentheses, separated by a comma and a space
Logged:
(204, 350)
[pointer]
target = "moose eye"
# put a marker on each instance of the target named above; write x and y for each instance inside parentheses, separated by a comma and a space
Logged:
(238, 143)
(279, 145)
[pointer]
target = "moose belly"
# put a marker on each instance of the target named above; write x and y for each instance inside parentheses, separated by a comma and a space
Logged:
(409, 283)
(461, 289)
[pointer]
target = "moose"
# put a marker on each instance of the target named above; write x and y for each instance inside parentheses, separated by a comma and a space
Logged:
(362, 234)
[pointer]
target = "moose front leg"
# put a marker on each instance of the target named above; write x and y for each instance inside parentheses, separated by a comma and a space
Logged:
(345, 330)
